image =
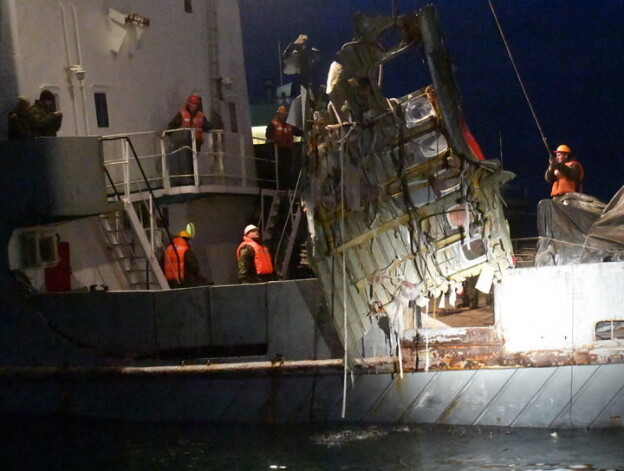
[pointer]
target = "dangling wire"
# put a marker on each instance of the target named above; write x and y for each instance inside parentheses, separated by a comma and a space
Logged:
(513, 63)
(344, 276)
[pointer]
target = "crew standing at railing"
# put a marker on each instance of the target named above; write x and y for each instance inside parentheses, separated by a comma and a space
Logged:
(191, 115)
(20, 122)
(281, 134)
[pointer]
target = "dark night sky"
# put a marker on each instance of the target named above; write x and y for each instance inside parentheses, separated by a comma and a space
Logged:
(570, 55)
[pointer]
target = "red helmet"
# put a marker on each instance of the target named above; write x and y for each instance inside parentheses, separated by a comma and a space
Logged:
(194, 100)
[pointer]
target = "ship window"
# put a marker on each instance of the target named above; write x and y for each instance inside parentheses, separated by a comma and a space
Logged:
(101, 109)
(609, 330)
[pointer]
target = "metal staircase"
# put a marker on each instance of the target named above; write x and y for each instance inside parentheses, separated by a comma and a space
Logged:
(280, 229)
(132, 247)
(133, 237)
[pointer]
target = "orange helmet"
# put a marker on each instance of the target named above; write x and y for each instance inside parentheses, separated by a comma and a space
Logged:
(563, 148)
(282, 110)
(194, 99)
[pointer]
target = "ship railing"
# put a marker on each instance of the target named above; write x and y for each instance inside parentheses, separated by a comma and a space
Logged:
(174, 158)
(267, 163)
(525, 249)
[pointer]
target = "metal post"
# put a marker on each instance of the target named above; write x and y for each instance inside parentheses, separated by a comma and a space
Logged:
(126, 159)
(163, 163)
(194, 149)
(276, 159)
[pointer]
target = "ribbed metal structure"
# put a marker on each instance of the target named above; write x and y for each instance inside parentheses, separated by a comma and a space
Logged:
(557, 397)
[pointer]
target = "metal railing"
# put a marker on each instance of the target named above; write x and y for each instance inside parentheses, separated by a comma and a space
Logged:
(175, 158)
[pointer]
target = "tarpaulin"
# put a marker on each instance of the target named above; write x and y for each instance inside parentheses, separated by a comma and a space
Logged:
(578, 228)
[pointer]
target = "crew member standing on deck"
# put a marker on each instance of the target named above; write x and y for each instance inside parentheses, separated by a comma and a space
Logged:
(254, 259)
(45, 118)
(281, 134)
(564, 173)
(180, 263)
(191, 115)
(20, 122)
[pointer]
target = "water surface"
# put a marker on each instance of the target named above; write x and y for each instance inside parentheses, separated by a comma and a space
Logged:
(53, 444)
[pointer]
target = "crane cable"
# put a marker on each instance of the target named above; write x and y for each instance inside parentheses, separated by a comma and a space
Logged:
(513, 63)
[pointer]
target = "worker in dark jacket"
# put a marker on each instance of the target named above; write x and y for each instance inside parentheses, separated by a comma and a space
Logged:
(19, 120)
(254, 259)
(46, 120)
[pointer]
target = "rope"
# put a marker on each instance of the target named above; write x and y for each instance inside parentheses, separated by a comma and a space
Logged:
(584, 245)
(344, 281)
(513, 63)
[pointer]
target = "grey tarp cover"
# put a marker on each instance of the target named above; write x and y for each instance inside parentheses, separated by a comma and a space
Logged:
(580, 229)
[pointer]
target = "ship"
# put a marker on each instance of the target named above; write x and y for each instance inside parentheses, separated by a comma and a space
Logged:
(421, 309)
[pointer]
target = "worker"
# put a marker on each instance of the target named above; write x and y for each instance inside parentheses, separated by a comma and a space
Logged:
(254, 259)
(281, 134)
(46, 119)
(180, 263)
(191, 115)
(564, 173)
(20, 122)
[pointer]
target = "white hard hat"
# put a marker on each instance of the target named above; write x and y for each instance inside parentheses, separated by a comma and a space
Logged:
(250, 228)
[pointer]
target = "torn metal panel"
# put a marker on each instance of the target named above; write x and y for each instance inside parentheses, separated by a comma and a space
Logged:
(396, 191)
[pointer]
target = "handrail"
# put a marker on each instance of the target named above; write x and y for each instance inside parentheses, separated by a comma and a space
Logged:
(145, 179)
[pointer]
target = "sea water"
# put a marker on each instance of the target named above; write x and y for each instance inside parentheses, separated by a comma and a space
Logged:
(57, 444)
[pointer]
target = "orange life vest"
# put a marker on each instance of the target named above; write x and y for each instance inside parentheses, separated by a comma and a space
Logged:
(262, 257)
(196, 122)
(283, 135)
(174, 265)
(563, 185)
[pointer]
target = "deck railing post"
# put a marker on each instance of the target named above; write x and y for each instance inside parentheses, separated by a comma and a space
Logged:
(163, 162)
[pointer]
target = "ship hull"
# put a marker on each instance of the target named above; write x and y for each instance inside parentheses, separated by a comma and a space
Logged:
(589, 396)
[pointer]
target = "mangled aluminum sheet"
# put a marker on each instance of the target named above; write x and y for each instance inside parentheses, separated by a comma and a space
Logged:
(401, 207)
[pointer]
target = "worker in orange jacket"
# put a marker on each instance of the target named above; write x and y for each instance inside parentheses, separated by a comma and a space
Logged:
(254, 259)
(190, 115)
(564, 172)
(281, 134)
(180, 263)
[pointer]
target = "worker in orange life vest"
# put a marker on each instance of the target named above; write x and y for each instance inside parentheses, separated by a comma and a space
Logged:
(281, 134)
(190, 115)
(564, 173)
(254, 259)
(180, 263)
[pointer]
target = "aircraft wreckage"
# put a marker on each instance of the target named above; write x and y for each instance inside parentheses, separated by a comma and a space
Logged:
(406, 216)
(402, 207)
